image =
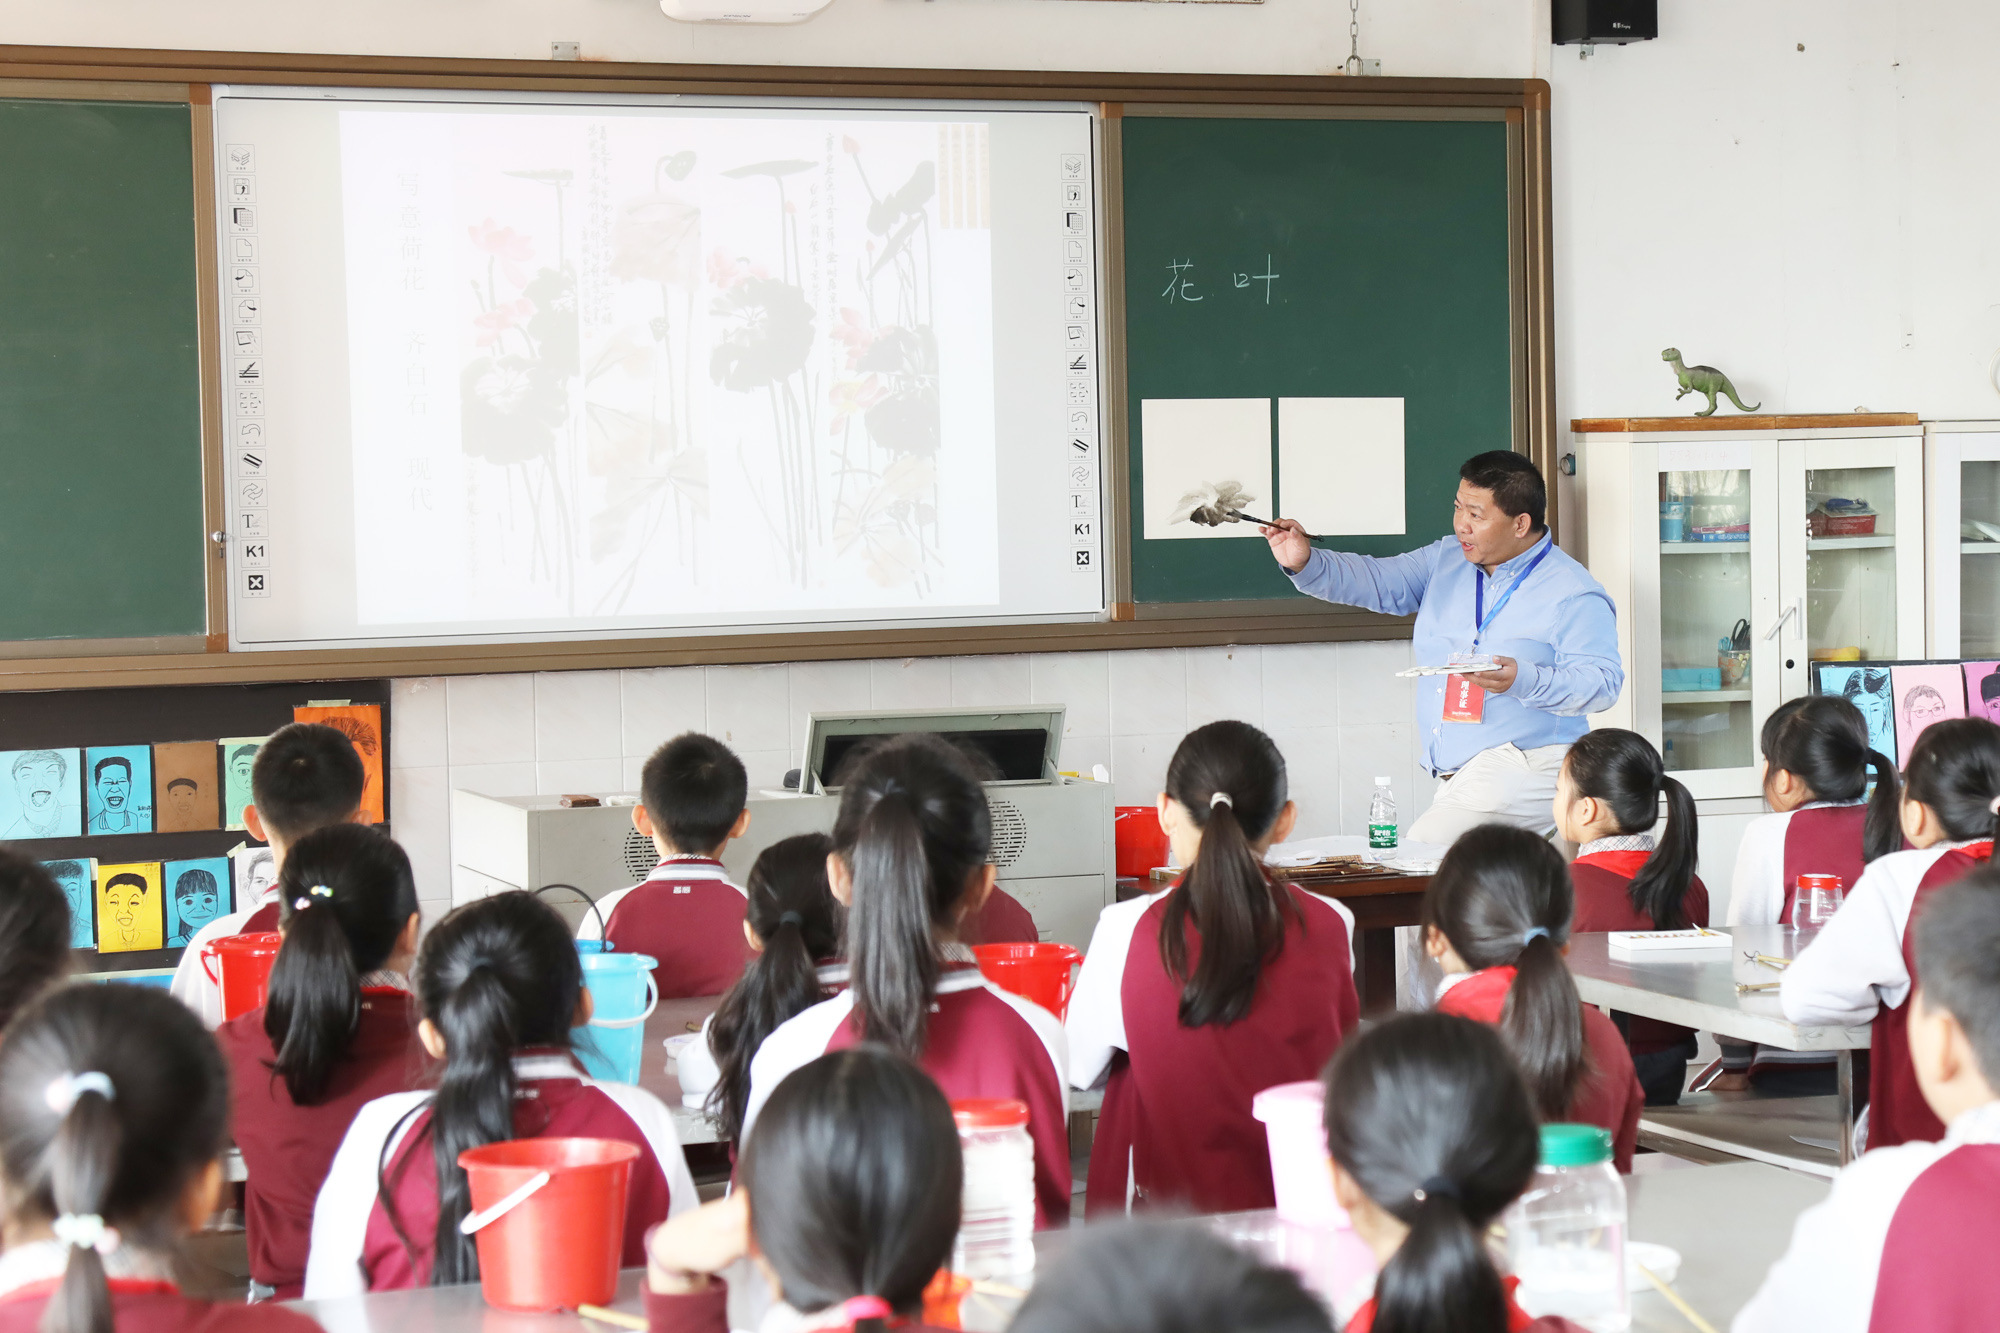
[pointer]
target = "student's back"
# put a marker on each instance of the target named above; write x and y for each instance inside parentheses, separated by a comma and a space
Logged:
(910, 860)
(687, 914)
(338, 1031)
(34, 932)
(1196, 999)
(306, 776)
(500, 986)
(114, 1111)
(1497, 916)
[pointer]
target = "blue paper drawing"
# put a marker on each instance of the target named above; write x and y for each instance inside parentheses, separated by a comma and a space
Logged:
(40, 795)
(78, 880)
(120, 788)
(1867, 688)
(197, 893)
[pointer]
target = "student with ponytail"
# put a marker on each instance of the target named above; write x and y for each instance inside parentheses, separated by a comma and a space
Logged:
(1496, 918)
(849, 1194)
(34, 931)
(499, 987)
(1432, 1135)
(793, 926)
(1607, 803)
(910, 862)
(1194, 1000)
(114, 1111)
(338, 1030)
(1862, 966)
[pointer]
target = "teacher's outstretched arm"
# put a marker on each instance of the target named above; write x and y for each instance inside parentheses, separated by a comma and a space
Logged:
(1393, 586)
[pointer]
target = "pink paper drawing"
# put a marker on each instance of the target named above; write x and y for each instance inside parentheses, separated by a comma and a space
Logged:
(1924, 694)
(1982, 690)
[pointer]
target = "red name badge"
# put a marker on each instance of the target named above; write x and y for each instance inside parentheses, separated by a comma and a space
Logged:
(1463, 700)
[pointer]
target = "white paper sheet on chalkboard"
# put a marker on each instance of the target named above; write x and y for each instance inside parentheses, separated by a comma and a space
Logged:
(1188, 443)
(1340, 464)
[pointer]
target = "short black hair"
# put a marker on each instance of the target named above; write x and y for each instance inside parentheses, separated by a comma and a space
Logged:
(1958, 961)
(306, 776)
(107, 762)
(128, 878)
(694, 789)
(1516, 483)
(189, 783)
(1989, 687)
(1158, 1276)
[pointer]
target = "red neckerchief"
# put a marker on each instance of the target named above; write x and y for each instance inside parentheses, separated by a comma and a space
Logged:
(1518, 1320)
(1624, 864)
(1481, 996)
(120, 1286)
(1979, 851)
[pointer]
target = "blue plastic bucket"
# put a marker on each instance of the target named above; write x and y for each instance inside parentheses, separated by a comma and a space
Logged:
(623, 995)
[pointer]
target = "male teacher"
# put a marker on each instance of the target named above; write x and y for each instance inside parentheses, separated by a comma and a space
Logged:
(1497, 588)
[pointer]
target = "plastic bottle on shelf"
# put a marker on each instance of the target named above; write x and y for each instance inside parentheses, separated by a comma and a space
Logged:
(1382, 817)
(1566, 1233)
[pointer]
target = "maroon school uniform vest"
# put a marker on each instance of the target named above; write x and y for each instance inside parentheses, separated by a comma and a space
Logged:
(1001, 921)
(263, 919)
(1824, 841)
(1603, 883)
(694, 927)
(1937, 1260)
(1609, 1092)
(977, 1046)
(157, 1307)
(1182, 1098)
(1897, 1111)
(288, 1148)
(543, 1108)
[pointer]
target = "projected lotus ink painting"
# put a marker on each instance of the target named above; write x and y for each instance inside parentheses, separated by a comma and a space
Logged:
(615, 366)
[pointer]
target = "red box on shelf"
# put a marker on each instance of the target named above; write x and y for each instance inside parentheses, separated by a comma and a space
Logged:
(1840, 525)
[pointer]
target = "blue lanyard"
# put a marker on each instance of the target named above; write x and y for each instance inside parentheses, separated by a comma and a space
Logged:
(1481, 618)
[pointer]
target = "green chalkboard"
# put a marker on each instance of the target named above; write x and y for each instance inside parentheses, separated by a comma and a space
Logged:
(1390, 241)
(100, 383)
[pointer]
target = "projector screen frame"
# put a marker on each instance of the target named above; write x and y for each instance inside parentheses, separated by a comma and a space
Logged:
(112, 74)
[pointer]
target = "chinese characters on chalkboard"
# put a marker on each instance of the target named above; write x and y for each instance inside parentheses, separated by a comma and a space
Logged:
(1184, 285)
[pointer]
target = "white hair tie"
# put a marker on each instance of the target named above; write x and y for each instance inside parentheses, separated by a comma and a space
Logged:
(64, 1089)
(1221, 798)
(85, 1231)
(1993, 807)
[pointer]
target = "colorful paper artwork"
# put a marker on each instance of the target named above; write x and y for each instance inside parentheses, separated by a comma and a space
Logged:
(1982, 690)
(238, 754)
(78, 881)
(197, 893)
(118, 791)
(1924, 695)
(362, 724)
(186, 795)
(40, 794)
(130, 913)
(1867, 688)
(254, 871)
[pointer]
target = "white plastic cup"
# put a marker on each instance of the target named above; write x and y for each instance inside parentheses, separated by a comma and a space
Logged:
(1294, 1128)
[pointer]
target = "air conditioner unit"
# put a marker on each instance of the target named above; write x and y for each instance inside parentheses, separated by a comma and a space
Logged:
(1052, 835)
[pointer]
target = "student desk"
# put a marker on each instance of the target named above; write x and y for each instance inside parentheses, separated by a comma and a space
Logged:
(1697, 989)
(1730, 1223)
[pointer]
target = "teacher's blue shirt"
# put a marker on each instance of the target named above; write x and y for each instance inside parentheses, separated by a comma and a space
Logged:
(1560, 627)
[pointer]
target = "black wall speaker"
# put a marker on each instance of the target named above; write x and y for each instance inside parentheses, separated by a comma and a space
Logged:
(1605, 21)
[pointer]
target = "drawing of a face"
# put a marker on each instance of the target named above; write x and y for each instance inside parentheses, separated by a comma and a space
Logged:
(183, 792)
(196, 899)
(124, 897)
(1989, 697)
(239, 767)
(1923, 706)
(75, 888)
(114, 784)
(38, 777)
(261, 875)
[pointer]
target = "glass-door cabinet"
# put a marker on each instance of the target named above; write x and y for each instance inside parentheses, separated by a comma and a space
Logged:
(1734, 558)
(1962, 488)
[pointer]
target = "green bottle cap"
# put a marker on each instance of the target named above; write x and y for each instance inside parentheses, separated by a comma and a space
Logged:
(1575, 1145)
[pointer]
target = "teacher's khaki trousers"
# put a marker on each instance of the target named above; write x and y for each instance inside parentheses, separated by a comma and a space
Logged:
(1505, 785)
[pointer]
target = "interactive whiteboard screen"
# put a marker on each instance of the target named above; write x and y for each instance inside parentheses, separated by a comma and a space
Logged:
(536, 369)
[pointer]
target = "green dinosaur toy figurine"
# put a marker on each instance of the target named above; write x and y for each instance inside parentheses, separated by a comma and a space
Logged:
(1703, 379)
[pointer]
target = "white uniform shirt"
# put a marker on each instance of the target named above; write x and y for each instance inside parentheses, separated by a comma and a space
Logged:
(191, 984)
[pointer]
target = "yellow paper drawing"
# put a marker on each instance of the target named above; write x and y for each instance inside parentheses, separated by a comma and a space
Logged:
(131, 911)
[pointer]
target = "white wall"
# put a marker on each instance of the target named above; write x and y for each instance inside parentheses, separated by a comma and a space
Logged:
(1336, 710)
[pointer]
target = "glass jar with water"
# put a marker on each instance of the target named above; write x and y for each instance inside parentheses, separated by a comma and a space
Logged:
(1566, 1233)
(996, 1229)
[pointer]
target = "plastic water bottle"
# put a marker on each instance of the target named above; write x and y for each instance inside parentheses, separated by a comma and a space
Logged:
(1566, 1233)
(996, 1229)
(1382, 817)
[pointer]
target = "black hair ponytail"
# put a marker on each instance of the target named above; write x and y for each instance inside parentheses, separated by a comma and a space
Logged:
(1427, 1113)
(1502, 897)
(1822, 740)
(34, 929)
(914, 829)
(1160, 1276)
(1624, 771)
(795, 915)
(1955, 770)
(854, 1174)
(113, 1099)
(496, 977)
(345, 897)
(1230, 779)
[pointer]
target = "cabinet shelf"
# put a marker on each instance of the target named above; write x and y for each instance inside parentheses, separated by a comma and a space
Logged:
(1705, 548)
(1669, 698)
(1873, 539)
(1979, 548)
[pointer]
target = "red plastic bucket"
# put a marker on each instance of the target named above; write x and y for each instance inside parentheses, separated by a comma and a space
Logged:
(1039, 972)
(560, 1246)
(1141, 842)
(244, 962)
